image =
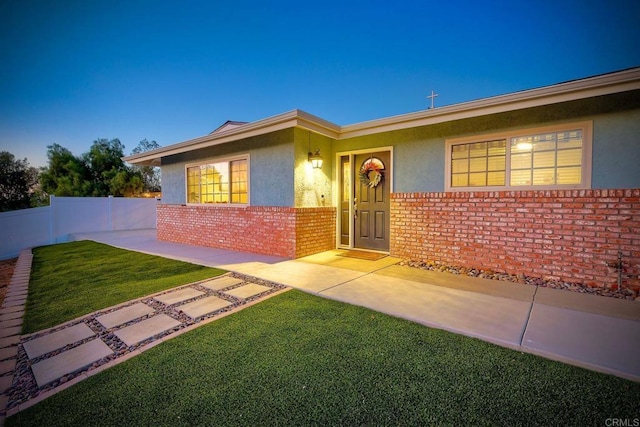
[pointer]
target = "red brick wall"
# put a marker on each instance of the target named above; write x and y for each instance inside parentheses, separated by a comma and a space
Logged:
(564, 235)
(315, 230)
(279, 231)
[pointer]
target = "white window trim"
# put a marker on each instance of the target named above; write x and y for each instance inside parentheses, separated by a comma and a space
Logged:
(227, 159)
(587, 139)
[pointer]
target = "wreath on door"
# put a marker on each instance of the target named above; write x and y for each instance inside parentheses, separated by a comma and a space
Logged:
(371, 172)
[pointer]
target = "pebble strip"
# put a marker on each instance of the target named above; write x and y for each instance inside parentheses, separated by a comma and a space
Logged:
(623, 293)
(23, 391)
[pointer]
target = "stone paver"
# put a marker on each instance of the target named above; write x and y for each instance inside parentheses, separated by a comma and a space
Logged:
(5, 382)
(10, 323)
(9, 341)
(221, 283)
(11, 316)
(10, 331)
(8, 352)
(7, 366)
(146, 329)
(178, 296)
(7, 310)
(69, 361)
(204, 306)
(39, 346)
(247, 291)
(124, 315)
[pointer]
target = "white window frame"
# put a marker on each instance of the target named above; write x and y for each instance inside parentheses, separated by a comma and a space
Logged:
(227, 159)
(587, 139)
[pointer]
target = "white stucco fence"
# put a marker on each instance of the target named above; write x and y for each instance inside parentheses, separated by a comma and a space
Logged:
(67, 215)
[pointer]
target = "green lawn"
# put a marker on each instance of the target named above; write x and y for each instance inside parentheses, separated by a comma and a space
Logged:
(297, 359)
(72, 279)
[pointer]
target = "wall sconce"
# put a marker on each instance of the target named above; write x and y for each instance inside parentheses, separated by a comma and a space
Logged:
(315, 159)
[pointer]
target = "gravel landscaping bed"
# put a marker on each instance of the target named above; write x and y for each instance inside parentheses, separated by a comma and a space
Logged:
(623, 293)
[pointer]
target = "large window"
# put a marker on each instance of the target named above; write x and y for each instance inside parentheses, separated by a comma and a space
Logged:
(224, 181)
(543, 158)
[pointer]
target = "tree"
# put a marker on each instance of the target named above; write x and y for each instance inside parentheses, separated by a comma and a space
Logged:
(99, 172)
(17, 182)
(66, 175)
(150, 174)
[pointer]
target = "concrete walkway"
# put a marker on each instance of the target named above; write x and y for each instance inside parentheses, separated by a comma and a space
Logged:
(594, 332)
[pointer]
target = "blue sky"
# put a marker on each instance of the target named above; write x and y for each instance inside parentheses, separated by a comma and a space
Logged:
(74, 71)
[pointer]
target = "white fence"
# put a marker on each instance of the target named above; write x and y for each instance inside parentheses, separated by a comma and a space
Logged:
(67, 215)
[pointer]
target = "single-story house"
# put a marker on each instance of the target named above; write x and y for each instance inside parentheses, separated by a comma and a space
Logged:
(544, 182)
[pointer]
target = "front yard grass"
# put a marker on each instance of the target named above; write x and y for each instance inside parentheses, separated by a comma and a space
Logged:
(298, 359)
(73, 279)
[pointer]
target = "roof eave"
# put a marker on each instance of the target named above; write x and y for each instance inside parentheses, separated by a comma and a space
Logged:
(579, 89)
(290, 119)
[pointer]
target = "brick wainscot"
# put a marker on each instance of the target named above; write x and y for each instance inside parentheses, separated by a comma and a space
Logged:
(571, 235)
(281, 231)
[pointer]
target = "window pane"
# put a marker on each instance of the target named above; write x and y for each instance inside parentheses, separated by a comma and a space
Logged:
(570, 157)
(478, 150)
(496, 163)
(544, 176)
(497, 148)
(571, 139)
(477, 179)
(496, 178)
(544, 142)
(478, 164)
(521, 145)
(460, 151)
(569, 175)
(521, 161)
(459, 180)
(521, 177)
(460, 165)
(544, 159)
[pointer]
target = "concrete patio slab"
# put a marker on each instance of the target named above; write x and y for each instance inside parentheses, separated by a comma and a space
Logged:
(495, 319)
(51, 369)
(204, 306)
(124, 315)
(336, 259)
(460, 282)
(248, 291)
(43, 345)
(145, 241)
(302, 275)
(221, 283)
(139, 332)
(612, 307)
(585, 339)
(178, 296)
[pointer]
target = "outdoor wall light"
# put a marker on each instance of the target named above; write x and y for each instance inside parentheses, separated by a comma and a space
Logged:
(315, 159)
